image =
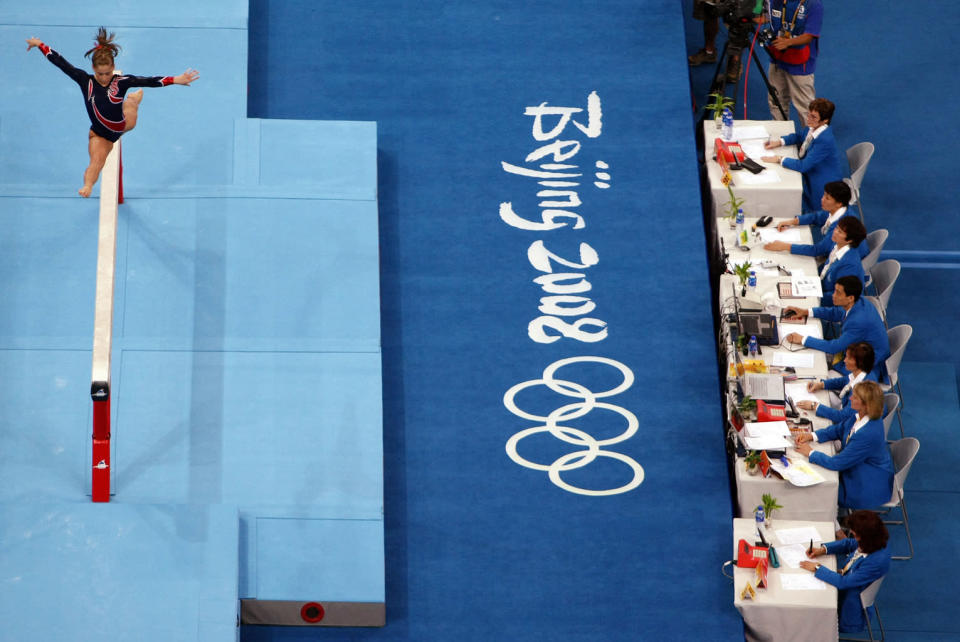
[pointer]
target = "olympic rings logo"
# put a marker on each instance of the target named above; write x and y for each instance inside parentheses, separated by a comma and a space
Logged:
(592, 446)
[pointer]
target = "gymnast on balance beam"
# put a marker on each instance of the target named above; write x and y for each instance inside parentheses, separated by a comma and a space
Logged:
(111, 112)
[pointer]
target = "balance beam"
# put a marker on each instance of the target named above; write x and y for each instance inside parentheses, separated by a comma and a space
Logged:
(111, 195)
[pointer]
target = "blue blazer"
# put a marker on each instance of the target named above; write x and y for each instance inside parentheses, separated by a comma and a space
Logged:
(847, 265)
(861, 323)
(837, 383)
(864, 462)
(849, 585)
(825, 244)
(820, 165)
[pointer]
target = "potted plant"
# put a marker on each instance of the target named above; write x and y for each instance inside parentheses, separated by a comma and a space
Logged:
(742, 270)
(752, 462)
(769, 505)
(718, 103)
(731, 207)
(747, 405)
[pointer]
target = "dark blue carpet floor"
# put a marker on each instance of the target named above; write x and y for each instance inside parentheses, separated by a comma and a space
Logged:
(479, 547)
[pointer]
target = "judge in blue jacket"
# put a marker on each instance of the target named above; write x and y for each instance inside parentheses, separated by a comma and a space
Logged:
(862, 559)
(864, 462)
(834, 206)
(843, 260)
(819, 157)
(859, 361)
(859, 321)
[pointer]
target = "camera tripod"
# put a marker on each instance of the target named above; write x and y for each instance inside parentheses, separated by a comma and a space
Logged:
(730, 52)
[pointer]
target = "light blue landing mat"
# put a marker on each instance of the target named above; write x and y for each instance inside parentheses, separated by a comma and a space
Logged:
(246, 355)
(79, 571)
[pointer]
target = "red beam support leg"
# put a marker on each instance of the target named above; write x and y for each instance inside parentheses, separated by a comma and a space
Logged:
(101, 447)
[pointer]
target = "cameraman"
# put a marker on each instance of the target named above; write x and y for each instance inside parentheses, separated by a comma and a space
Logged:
(796, 37)
(706, 11)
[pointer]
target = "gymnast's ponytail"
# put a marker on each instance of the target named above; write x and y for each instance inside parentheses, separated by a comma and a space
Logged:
(105, 50)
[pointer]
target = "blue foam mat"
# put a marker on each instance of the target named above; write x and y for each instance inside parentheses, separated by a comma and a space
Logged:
(246, 328)
(72, 571)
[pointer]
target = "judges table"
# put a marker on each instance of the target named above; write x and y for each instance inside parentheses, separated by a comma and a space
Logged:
(817, 502)
(773, 192)
(780, 613)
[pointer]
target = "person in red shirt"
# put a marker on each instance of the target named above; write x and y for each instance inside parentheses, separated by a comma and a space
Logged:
(111, 111)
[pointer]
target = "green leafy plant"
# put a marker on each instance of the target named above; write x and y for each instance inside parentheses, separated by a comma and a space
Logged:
(747, 404)
(718, 102)
(770, 504)
(742, 270)
(752, 459)
(733, 205)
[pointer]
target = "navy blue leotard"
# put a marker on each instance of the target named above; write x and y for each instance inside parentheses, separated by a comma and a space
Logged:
(104, 104)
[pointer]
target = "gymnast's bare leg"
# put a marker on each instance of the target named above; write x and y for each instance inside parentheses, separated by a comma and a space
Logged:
(99, 150)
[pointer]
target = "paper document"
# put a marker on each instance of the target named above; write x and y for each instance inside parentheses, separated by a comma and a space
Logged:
(789, 235)
(747, 132)
(754, 148)
(793, 359)
(799, 535)
(743, 177)
(792, 554)
(808, 330)
(804, 285)
(801, 582)
(798, 473)
(767, 435)
(797, 390)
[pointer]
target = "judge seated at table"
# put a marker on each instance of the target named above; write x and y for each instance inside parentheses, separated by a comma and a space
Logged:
(858, 360)
(834, 202)
(819, 157)
(859, 321)
(862, 559)
(864, 462)
(843, 260)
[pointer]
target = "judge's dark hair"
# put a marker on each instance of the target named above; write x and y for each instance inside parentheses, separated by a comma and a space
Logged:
(853, 229)
(852, 286)
(870, 529)
(824, 108)
(105, 50)
(838, 191)
(863, 355)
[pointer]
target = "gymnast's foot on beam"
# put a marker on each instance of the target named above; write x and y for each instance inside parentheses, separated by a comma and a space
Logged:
(131, 106)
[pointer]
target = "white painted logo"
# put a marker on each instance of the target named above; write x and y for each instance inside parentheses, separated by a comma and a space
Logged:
(591, 447)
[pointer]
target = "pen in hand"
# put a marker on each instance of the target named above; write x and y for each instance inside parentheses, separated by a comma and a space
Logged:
(810, 550)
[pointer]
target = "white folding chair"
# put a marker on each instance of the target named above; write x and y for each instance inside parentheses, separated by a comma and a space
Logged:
(858, 156)
(898, 336)
(883, 276)
(903, 452)
(868, 598)
(891, 401)
(875, 241)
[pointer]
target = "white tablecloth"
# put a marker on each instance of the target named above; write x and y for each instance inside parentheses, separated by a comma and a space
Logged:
(778, 615)
(783, 198)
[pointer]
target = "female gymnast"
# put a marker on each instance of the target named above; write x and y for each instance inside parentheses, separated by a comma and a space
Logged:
(111, 112)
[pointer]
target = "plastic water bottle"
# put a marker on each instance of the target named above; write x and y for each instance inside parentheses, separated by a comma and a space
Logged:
(752, 280)
(727, 132)
(752, 346)
(760, 516)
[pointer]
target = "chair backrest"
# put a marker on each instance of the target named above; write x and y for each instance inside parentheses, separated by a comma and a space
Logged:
(875, 241)
(858, 156)
(891, 401)
(898, 336)
(885, 275)
(903, 451)
(869, 595)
